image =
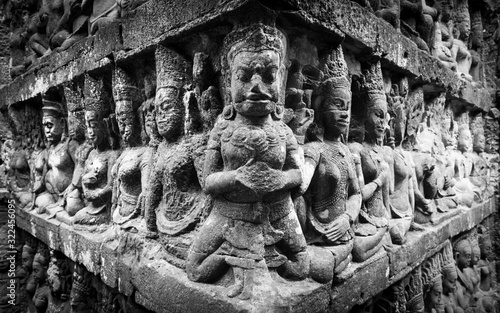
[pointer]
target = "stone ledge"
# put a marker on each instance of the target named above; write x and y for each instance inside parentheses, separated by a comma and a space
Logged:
(172, 18)
(386, 268)
(132, 263)
(186, 296)
(137, 266)
(364, 34)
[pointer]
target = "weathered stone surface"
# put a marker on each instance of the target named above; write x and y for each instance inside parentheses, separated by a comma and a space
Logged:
(109, 261)
(182, 17)
(107, 40)
(136, 270)
(142, 271)
(348, 292)
(4, 70)
(187, 296)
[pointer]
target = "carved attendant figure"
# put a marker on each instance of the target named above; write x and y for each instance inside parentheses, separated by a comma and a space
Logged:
(19, 183)
(466, 192)
(42, 293)
(131, 170)
(465, 289)
(19, 174)
(97, 181)
(80, 290)
(47, 30)
(374, 213)
(251, 164)
(472, 270)
(175, 200)
(402, 197)
(442, 47)
(60, 156)
(460, 52)
(417, 20)
(71, 26)
(38, 166)
(433, 298)
(485, 266)
(331, 178)
(479, 172)
(59, 282)
(450, 303)
(449, 280)
(447, 194)
(27, 292)
(404, 164)
(486, 270)
(72, 199)
(28, 256)
(453, 192)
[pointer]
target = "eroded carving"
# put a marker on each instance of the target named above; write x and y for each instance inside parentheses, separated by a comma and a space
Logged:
(417, 21)
(81, 289)
(59, 281)
(72, 200)
(465, 294)
(449, 272)
(42, 292)
(250, 166)
(374, 215)
(28, 281)
(442, 44)
(131, 171)
(60, 162)
(19, 168)
(175, 202)
(334, 197)
(461, 33)
(432, 284)
(97, 180)
(404, 194)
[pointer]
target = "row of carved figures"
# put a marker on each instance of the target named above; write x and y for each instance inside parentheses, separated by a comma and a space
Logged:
(46, 281)
(450, 30)
(459, 278)
(40, 27)
(296, 199)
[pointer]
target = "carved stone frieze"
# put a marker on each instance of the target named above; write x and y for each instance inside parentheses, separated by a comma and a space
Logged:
(252, 156)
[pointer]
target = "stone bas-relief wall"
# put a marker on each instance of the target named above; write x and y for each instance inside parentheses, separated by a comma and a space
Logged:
(299, 157)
